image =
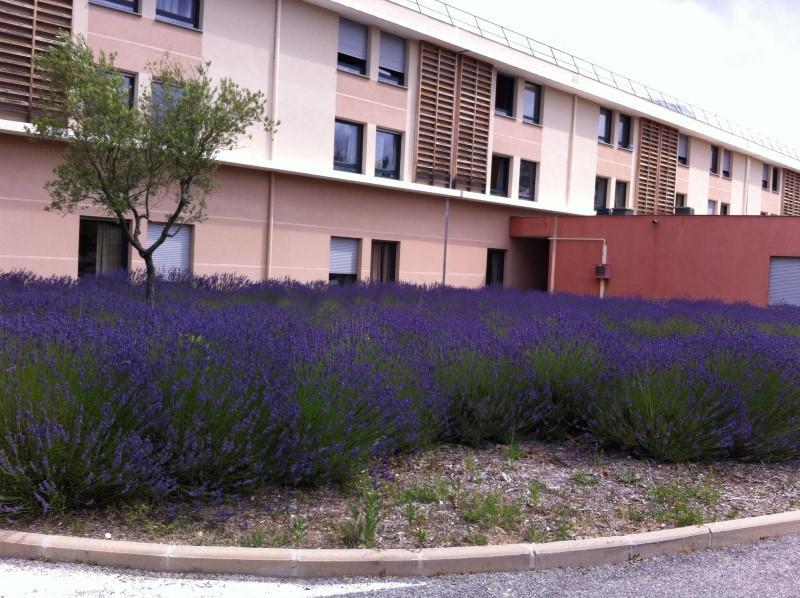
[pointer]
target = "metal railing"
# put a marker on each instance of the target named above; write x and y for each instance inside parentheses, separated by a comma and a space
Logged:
(492, 31)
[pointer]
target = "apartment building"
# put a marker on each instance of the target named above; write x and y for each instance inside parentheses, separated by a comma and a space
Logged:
(411, 137)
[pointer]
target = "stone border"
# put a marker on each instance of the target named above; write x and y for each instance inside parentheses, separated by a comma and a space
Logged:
(286, 562)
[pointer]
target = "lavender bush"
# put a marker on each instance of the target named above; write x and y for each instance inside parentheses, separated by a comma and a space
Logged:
(229, 386)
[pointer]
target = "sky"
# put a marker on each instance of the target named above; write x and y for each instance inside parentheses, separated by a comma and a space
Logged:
(738, 58)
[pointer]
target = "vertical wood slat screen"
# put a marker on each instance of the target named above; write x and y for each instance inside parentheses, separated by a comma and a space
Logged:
(436, 111)
(790, 197)
(474, 116)
(27, 29)
(657, 168)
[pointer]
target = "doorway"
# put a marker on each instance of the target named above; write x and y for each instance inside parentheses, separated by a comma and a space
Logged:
(384, 261)
(102, 247)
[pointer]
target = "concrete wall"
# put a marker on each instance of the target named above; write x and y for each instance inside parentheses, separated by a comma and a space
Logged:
(696, 257)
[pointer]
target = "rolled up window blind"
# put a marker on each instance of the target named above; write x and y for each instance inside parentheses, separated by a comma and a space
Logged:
(352, 39)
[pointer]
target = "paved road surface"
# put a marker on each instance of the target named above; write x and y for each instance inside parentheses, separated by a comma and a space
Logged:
(769, 568)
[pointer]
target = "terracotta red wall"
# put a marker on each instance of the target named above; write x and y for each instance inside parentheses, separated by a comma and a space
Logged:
(697, 257)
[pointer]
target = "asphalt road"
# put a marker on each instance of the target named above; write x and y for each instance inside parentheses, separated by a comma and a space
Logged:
(768, 568)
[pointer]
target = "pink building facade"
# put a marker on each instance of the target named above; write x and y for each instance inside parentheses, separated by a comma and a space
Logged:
(406, 145)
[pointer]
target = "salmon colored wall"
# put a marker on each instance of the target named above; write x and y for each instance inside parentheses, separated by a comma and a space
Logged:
(663, 260)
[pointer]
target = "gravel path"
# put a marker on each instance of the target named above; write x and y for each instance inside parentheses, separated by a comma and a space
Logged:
(769, 568)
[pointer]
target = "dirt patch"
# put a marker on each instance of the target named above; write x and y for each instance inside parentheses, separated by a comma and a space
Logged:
(452, 495)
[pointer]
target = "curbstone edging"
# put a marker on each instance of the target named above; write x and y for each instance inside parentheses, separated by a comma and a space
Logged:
(289, 562)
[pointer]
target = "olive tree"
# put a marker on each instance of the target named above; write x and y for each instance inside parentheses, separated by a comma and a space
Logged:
(159, 154)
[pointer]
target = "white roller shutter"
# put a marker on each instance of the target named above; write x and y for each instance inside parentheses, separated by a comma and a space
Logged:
(352, 39)
(784, 281)
(344, 255)
(175, 253)
(393, 52)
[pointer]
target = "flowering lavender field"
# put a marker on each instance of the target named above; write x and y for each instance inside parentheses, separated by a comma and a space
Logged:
(228, 387)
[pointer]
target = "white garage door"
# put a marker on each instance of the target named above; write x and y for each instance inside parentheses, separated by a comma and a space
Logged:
(175, 253)
(784, 281)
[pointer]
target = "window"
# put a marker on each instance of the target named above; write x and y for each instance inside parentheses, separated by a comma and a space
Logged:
(532, 104)
(495, 267)
(600, 193)
(527, 180)
(500, 169)
(504, 95)
(726, 163)
(347, 146)
(344, 260)
(714, 169)
(604, 126)
(127, 5)
(352, 47)
(624, 131)
(765, 177)
(128, 87)
(179, 12)
(776, 172)
(160, 97)
(724, 209)
(680, 200)
(173, 256)
(621, 194)
(384, 261)
(712, 207)
(102, 247)
(392, 68)
(387, 154)
(683, 150)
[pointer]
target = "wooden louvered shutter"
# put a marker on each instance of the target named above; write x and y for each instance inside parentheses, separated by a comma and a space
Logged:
(790, 197)
(27, 29)
(436, 112)
(657, 168)
(472, 134)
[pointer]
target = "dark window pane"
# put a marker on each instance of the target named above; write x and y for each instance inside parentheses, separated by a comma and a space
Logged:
(712, 207)
(624, 131)
(102, 247)
(392, 66)
(600, 193)
(680, 200)
(527, 179)
(765, 176)
(504, 95)
(620, 194)
(726, 163)
(387, 155)
(384, 261)
(347, 147)
(724, 209)
(495, 267)
(683, 150)
(775, 179)
(604, 126)
(128, 87)
(128, 5)
(183, 12)
(714, 159)
(499, 183)
(532, 100)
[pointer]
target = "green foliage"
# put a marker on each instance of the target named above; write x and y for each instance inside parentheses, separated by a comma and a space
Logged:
(535, 491)
(489, 510)
(513, 452)
(159, 154)
(679, 504)
(436, 491)
(583, 478)
(298, 530)
(534, 534)
(628, 476)
(365, 515)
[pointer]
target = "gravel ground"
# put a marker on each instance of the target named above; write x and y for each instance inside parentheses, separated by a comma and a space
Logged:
(769, 568)
(454, 495)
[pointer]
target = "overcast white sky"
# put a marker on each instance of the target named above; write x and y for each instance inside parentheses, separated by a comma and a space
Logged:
(738, 58)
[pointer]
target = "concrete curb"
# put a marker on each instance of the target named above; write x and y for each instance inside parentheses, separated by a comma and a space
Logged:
(285, 562)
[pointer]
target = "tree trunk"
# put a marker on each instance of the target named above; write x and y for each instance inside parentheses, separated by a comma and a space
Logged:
(150, 285)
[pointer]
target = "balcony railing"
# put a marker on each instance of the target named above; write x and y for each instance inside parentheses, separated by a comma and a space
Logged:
(469, 22)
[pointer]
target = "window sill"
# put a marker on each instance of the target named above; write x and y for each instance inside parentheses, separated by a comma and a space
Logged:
(626, 148)
(121, 9)
(506, 116)
(389, 83)
(683, 165)
(606, 143)
(352, 74)
(181, 25)
(716, 174)
(532, 124)
(727, 177)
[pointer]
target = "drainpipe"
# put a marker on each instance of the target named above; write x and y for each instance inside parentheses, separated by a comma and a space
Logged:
(270, 219)
(603, 258)
(276, 48)
(446, 226)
